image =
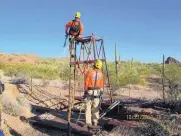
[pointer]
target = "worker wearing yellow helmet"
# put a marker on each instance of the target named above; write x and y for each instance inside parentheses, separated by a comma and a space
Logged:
(75, 31)
(93, 89)
(75, 26)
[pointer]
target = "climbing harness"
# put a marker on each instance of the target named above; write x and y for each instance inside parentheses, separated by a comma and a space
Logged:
(75, 28)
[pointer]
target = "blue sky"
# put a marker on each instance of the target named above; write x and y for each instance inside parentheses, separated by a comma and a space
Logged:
(142, 29)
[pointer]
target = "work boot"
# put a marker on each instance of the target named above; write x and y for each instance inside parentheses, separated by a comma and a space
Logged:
(95, 124)
(86, 125)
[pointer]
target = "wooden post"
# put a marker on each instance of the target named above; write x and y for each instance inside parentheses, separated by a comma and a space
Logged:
(163, 76)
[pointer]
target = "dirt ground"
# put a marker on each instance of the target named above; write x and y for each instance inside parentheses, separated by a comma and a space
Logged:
(48, 96)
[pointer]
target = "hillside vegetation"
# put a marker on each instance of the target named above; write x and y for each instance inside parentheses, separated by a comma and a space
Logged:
(128, 72)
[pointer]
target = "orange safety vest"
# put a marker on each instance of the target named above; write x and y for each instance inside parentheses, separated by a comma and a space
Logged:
(76, 27)
(90, 79)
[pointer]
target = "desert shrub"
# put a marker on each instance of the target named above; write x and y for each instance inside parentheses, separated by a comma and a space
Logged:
(173, 73)
(153, 129)
(1, 73)
(155, 68)
(120, 131)
(43, 71)
(128, 73)
(168, 125)
(173, 79)
(19, 106)
(11, 109)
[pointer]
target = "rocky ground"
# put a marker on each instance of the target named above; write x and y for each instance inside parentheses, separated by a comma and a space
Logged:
(16, 101)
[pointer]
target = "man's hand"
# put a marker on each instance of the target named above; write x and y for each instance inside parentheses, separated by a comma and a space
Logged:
(80, 36)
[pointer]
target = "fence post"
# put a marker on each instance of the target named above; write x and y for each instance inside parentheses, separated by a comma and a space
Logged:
(163, 77)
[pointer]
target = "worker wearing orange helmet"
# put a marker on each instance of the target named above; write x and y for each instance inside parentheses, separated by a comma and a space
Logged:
(93, 90)
(75, 30)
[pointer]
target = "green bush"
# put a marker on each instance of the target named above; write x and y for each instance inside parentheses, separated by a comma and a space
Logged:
(128, 73)
(43, 71)
(155, 68)
(173, 73)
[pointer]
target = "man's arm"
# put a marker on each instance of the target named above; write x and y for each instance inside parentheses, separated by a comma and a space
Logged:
(67, 26)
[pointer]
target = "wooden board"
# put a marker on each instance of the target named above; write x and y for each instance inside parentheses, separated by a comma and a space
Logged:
(60, 121)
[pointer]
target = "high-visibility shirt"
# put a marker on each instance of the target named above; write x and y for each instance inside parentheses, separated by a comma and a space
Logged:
(90, 79)
(77, 24)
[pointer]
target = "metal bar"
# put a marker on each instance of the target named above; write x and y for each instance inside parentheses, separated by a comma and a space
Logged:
(103, 65)
(94, 48)
(83, 80)
(100, 50)
(69, 106)
(70, 94)
(88, 51)
(74, 88)
(110, 108)
(163, 77)
(87, 61)
(106, 70)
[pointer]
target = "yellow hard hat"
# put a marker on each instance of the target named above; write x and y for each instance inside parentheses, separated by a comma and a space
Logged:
(98, 64)
(77, 14)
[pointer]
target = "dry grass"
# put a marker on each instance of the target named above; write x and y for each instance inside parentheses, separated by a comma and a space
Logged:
(1, 73)
(137, 91)
(120, 131)
(19, 58)
(167, 127)
(13, 104)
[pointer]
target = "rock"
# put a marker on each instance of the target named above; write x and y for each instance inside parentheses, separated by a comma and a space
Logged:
(171, 60)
